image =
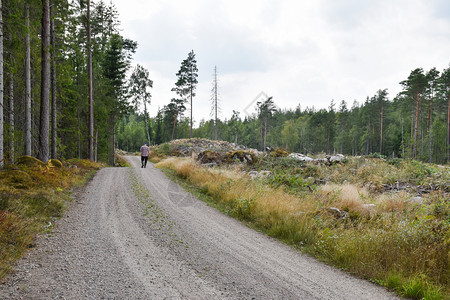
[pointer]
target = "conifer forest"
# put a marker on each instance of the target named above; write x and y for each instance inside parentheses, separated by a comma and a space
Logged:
(69, 89)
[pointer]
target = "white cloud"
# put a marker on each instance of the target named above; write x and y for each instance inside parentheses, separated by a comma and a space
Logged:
(299, 52)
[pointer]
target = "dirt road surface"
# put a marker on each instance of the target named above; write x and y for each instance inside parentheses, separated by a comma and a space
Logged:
(134, 234)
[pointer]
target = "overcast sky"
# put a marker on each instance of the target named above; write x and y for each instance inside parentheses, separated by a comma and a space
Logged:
(299, 52)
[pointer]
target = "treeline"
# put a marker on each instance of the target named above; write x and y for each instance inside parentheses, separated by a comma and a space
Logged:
(64, 73)
(64, 94)
(412, 125)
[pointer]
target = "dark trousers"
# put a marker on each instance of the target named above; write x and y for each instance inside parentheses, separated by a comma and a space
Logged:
(144, 160)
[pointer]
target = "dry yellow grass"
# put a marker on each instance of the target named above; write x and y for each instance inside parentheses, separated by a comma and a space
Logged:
(381, 235)
(228, 185)
(346, 195)
(154, 157)
(360, 199)
(393, 202)
(280, 213)
(31, 194)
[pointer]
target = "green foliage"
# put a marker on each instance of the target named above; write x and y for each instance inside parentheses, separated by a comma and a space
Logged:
(292, 182)
(242, 208)
(71, 71)
(393, 281)
(140, 83)
(377, 128)
(185, 89)
(83, 164)
(16, 178)
(414, 288)
(43, 206)
(420, 171)
(187, 77)
(29, 161)
(279, 164)
(131, 133)
(164, 149)
(121, 162)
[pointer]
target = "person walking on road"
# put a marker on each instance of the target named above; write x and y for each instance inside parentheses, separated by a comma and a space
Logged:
(144, 155)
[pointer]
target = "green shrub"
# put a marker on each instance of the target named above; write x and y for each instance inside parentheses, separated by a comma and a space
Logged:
(414, 288)
(292, 182)
(163, 149)
(43, 206)
(242, 208)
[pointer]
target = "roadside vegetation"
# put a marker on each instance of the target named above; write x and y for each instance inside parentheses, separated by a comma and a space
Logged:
(32, 195)
(363, 215)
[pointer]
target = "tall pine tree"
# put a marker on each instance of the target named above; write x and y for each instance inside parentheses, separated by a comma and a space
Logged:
(187, 82)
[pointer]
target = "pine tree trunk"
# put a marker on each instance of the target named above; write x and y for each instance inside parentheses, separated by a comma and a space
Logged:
(448, 128)
(422, 134)
(111, 141)
(403, 142)
(27, 82)
(354, 147)
(44, 125)
(430, 129)
(114, 145)
(262, 136)
(328, 141)
(416, 126)
(368, 140)
(146, 123)
(11, 117)
(79, 133)
(411, 143)
(191, 113)
(53, 84)
(96, 145)
(372, 140)
(174, 123)
(381, 128)
(91, 97)
(265, 133)
(1, 87)
(215, 104)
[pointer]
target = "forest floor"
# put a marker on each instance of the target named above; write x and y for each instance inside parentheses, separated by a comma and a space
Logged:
(134, 234)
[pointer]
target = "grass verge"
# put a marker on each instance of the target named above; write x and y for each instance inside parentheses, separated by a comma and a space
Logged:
(381, 237)
(32, 195)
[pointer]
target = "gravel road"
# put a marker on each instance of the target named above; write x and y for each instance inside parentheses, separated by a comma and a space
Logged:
(134, 234)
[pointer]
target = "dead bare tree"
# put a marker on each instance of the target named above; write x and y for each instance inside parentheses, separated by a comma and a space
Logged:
(215, 108)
